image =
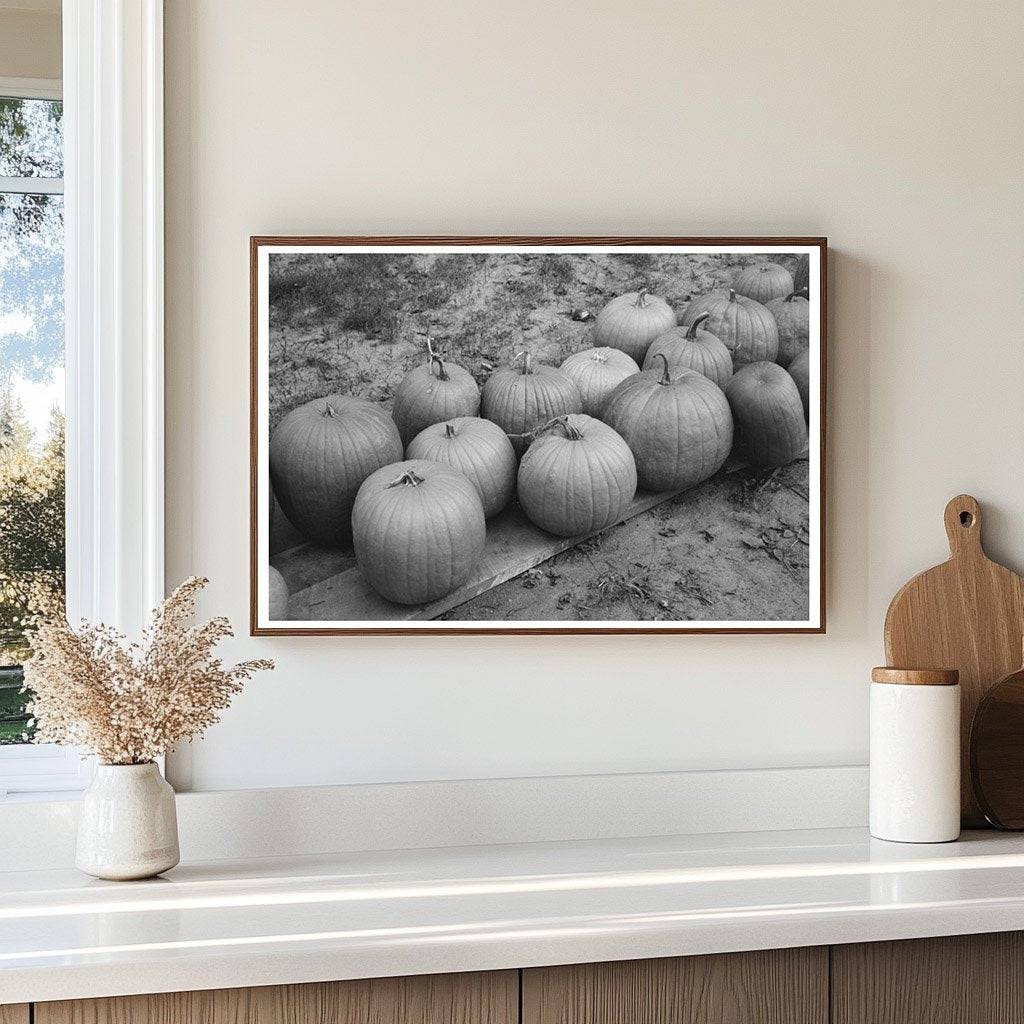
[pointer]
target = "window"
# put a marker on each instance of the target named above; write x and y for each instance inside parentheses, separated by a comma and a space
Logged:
(32, 513)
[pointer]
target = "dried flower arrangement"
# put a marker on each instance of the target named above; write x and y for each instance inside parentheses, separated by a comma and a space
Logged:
(129, 703)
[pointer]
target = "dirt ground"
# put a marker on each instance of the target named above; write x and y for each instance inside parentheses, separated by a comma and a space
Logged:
(734, 548)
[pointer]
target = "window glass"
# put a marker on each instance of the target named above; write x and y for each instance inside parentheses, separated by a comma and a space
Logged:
(31, 387)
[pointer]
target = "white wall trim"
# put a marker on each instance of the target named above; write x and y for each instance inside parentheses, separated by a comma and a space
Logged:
(31, 88)
(241, 824)
(113, 93)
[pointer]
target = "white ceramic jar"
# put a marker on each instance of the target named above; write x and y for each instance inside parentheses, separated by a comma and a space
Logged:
(915, 755)
(127, 823)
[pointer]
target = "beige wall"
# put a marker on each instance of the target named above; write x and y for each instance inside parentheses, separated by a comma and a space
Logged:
(30, 43)
(895, 129)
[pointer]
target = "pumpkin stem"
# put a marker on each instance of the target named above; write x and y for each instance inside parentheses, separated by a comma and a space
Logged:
(692, 332)
(732, 294)
(665, 378)
(449, 430)
(442, 373)
(328, 409)
(641, 298)
(407, 479)
(525, 356)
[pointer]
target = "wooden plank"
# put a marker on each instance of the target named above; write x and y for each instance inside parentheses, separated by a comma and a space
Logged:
(480, 998)
(779, 986)
(14, 1013)
(513, 546)
(962, 979)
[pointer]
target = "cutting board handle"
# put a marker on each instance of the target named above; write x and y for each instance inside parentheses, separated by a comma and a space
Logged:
(963, 526)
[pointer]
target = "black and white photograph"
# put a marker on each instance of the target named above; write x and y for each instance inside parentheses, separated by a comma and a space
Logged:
(537, 435)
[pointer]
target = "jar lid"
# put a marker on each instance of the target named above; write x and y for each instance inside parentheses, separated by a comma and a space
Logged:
(916, 676)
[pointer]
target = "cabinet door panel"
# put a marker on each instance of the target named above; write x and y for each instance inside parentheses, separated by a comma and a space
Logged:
(961, 979)
(14, 1013)
(779, 986)
(482, 998)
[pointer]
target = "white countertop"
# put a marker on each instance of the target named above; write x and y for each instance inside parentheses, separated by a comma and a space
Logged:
(262, 922)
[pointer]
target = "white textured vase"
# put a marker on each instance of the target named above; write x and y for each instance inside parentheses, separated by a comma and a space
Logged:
(127, 825)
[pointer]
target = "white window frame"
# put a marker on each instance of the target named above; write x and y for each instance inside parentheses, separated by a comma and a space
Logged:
(114, 325)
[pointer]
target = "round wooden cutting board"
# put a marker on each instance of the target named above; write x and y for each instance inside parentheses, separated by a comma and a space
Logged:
(967, 614)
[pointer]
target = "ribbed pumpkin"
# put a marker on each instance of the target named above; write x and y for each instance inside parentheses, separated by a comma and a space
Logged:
(278, 595)
(597, 372)
(632, 321)
(432, 393)
(319, 455)
(678, 426)
(418, 530)
(763, 282)
(745, 327)
(770, 428)
(479, 449)
(522, 398)
(577, 477)
(793, 316)
(692, 348)
(800, 371)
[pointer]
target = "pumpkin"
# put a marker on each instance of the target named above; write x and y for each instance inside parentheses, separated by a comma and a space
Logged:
(278, 595)
(677, 424)
(479, 449)
(632, 321)
(522, 398)
(418, 531)
(693, 348)
(769, 415)
(800, 371)
(763, 282)
(596, 372)
(744, 326)
(319, 455)
(577, 477)
(792, 315)
(432, 393)
(802, 276)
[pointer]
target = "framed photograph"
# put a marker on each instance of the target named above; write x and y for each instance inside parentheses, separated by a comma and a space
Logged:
(537, 435)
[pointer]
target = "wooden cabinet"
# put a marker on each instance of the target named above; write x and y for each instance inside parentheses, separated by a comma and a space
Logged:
(491, 998)
(971, 979)
(778, 986)
(963, 979)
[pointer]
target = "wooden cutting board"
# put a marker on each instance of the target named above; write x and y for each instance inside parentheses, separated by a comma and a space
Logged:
(967, 614)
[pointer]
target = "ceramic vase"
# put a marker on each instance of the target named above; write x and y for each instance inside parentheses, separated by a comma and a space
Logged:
(127, 825)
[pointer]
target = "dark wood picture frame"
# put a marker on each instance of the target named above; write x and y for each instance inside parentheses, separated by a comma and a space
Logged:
(257, 242)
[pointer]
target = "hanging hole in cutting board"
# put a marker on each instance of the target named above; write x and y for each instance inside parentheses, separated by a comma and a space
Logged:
(966, 519)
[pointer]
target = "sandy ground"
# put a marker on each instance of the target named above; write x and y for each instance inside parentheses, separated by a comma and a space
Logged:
(734, 548)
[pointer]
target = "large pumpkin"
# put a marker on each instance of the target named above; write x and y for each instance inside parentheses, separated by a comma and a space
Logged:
(479, 449)
(597, 372)
(418, 530)
(431, 393)
(693, 348)
(577, 477)
(770, 427)
(800, 371)
(744, 326)
(319, 455)
(632, 321)
(678, 426)
(793, 316)
(278, 593)
(763, 282)
(521, 398)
